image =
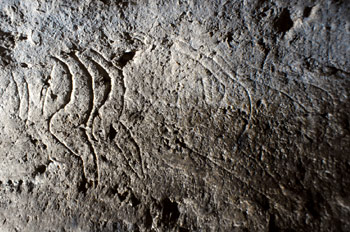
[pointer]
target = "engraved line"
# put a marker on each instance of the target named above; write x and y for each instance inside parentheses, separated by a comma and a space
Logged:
(91, 105)
(17, 93)
(69, 95)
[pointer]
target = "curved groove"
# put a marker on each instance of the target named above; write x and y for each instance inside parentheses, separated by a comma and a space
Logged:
(109, 68)
(17, 93)
(67, 99)
(246, 127)
(65, 145)
(237, 177)
(106, 79)
(65, 66)
(124, 91)
(4, 88)
(138, 155)
(91, 106)
(208, 64)
(283, 93)
(105, 68)
(277, 90)
(27, 96)
(45, 100)
(93, 97)
(102, 76)
(58, 140)
(89, 83)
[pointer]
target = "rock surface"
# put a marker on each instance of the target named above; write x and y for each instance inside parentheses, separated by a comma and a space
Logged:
(174, 115)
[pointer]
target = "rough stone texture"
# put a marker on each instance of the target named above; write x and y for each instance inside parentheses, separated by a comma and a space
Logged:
(176, 115)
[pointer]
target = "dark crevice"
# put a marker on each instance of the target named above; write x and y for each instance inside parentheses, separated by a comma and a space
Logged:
(229, 38)
(53, 96)
(126, 57)
(307, 12)
(182, 229)
(123, 196)
(106, 2)
(272, 224)
(148, 219)
(39, 170)
(258, 103)
(284, 23)
(263, 202)
(112, 133)
(314, 200)
(30, 186)
(134, 201)
(170, 213)
(24, 65)
(113, 190)
(33, 140)
(84, 185)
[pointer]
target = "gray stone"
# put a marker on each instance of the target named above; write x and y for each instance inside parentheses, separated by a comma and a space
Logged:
(174, 115)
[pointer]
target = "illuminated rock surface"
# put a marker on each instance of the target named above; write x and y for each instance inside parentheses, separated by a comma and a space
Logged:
(174, 115)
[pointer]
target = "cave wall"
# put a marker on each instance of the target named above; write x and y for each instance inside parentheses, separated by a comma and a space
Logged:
(174, 115)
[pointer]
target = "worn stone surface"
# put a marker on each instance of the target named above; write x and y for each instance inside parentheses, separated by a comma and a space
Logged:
(174, 115)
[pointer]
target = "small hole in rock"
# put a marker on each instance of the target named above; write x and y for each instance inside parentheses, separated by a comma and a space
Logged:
(53, 96)
(123, 196)
(258, 103)
(284, 22)
(148, 219)
(134, 200)
(112, 133)
(126, 57)
(170, 211)
(83, 185)
(39, 170)
(307, 12)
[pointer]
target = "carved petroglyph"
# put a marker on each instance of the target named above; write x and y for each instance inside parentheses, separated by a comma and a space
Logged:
(91, 84)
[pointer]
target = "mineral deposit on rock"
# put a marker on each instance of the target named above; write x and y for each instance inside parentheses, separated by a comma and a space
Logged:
(178, 115)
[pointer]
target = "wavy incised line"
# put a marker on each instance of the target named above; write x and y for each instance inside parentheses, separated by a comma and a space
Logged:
(227, 73)
(58, 140)
(72, 99)
(102, 76)
(27, 97)
(17, 92)
(284, 93)
(279, 91)
(103, 70)
(138, 158)
(90, 84)
(107, 68)
(94, 78)
(91, 105)
(208, 63)
(106, 79)
(110, 70)
(68, 97)
(237, 177)
(62, 107)
(46, 93)
(231, 76)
